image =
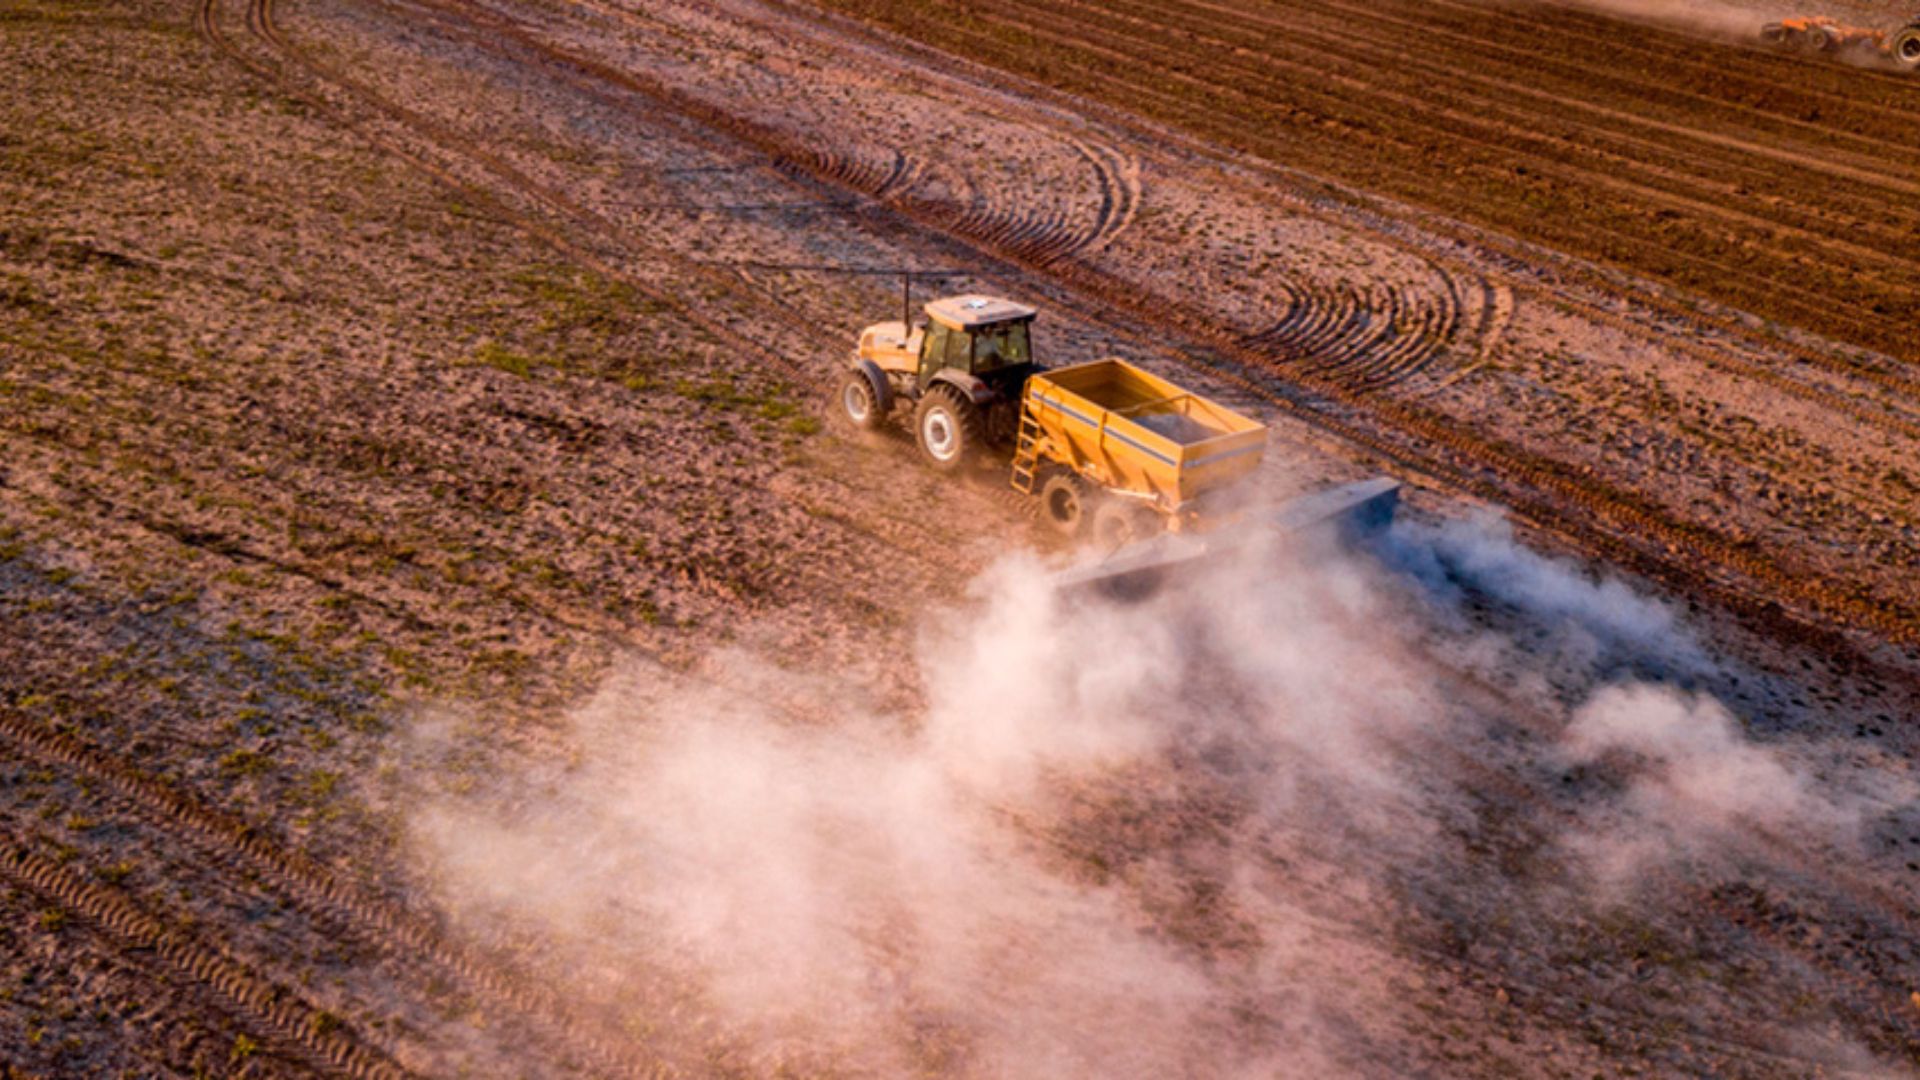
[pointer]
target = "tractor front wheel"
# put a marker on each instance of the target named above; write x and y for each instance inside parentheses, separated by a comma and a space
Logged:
(948, 428)
(1905, 47)
(857, 400)
(1063, 502)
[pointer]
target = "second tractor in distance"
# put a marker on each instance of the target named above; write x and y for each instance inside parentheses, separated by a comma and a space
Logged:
(1818, 34)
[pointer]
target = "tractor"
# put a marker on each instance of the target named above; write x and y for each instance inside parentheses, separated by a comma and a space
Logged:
(962, 370)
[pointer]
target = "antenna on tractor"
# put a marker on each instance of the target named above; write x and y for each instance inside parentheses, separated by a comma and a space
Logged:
(826, 268)
(907, 274)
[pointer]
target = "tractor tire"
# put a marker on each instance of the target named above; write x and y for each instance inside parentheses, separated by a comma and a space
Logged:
(1905, 47)
(1064, 505)
(858, 403)
(1774, 34)
(1818, 39)
(947, 426)
(1118, 522)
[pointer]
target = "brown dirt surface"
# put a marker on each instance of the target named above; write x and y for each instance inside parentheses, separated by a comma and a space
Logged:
(381, 380)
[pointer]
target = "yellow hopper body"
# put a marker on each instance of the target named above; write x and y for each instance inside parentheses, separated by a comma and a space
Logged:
(1135, 434)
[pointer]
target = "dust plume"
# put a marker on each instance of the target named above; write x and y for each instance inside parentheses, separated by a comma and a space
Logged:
(1161, 838)
(1740, 23)
(1693, 784)
(1597, 624)
(1721, 20)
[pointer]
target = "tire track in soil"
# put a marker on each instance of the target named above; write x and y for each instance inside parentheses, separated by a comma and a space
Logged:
(1042, 238)
(1869, 414)
(1523, 262)
(1387, 335)
(1510, 138)
(1181, 108)
(1043, 235)
(382, 926)
(182, 1051)
(296, 1024)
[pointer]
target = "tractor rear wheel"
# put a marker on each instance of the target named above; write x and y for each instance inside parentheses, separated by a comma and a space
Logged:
(948, 428)
(858, 402)
(1819, 39)
(1063, 503)
(1118, 522)
(1905, 47)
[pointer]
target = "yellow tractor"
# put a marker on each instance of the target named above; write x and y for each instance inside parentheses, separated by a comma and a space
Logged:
(962, 371)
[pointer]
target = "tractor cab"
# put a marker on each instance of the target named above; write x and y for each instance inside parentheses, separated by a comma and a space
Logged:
(963, 370)
(988, 338)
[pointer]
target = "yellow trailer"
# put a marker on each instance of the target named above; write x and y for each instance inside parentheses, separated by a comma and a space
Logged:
(1108, 445)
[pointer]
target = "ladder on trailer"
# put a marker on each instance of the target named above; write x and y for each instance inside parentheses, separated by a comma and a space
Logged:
(1026, 452)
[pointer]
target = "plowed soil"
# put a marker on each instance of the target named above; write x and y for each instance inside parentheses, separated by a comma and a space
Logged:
(366, 363)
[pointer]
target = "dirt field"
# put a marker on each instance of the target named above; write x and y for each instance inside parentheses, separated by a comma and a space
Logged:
(447, 632)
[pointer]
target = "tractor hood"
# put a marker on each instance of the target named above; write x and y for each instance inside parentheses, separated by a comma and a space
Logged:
(891, 345)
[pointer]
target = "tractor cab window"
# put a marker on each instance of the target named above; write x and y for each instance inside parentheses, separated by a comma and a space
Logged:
(1001, 346)
(933, 349)
(957, 347)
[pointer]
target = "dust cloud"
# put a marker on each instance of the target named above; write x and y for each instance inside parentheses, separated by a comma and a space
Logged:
(1721, 20)
(1741, 22)
(1695, 786)
(1120, 840)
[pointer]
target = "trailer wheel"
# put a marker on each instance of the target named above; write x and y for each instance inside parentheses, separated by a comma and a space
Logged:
(1905, 47)
(947, 427)
(1117, 523)
(1063, 503)
(859, 402)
